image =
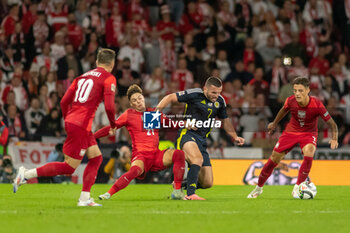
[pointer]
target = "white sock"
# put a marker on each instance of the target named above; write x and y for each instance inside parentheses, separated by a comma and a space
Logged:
(84, 196)
(29, 174)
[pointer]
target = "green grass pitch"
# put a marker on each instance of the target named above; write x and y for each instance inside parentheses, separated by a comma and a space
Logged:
(40, 208)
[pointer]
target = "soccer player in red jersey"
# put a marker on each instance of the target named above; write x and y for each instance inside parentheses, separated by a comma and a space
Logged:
(78, 106)
(145, 153)
(301, 129)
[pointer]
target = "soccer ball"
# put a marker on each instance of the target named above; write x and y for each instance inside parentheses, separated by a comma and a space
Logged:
(307, 190)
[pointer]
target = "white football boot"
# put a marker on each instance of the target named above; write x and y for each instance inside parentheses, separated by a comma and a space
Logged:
(295, 192)
(19, 180)
(256, 192)
(104, 196)
(89, 202)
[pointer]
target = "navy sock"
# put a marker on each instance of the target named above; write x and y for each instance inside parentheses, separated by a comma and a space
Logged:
(192, 178)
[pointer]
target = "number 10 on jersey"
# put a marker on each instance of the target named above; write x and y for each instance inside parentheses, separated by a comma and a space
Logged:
(84, 89)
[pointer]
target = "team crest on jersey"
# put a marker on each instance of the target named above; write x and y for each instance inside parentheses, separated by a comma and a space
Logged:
(113, 87)
(210, 104)
(216, 104)
(301, 114)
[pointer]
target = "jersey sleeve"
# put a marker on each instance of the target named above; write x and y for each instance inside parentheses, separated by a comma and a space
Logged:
(222, 114)
(323, 112)
(188, 96)
(122, 120)
(68, 98)
(109, 94)
(286, 105)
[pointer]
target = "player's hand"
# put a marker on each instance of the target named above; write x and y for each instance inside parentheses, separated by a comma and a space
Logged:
(189, 127)
(334, 144)
(271, 128)
(239, 141)
(112, 131)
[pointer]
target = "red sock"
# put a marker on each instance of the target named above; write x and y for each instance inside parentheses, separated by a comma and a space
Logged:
(125, 179)
(90, 173)
(178, 167)
(54, 169)
(266, 172)
(304, 169)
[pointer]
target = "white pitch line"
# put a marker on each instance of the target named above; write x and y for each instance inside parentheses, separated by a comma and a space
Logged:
(163, 212)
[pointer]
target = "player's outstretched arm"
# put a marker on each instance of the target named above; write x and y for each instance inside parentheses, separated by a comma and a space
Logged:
(102, 132)
(280, 115)
(168, 99)
(334, 141)
(228, 127)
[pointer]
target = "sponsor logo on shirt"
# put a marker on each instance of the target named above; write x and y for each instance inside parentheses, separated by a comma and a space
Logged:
(151, 120)
(326, 114)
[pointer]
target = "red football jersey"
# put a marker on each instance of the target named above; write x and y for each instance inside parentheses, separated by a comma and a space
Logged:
(85, 94)
(304, 119)
(142, 139)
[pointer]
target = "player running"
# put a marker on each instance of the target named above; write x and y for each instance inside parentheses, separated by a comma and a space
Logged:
(301, 129)
(79, 105)
(201, 105)
(145, 153)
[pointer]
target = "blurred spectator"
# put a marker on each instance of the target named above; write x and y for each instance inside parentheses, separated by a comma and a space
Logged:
(4, 134)
(59, 16)
(330, 87)
(210, 50)
(319, 62)
(165, 27)
(81, 12)
(154, 86)
(118, 164)
(249, 123)
(57, 48)
(168, 58)
(114, 28)
(286, 90)
(294, 48)
(239, 73)
(298, 68)
(223, 64)
(269, 52)
(276, 78)
(262, 109)
(15, 123)
(182, 75)
(40, 31)
(45, 59)
(259, 84)
(91, 46)
(50, 125)
(193, 62)
(342, 80)
(134, 53)
(248, 54)
(33, 116)
(50, 82)
(126, 76)
(93, 22)
(8, 173)
(21, 97)
(18, 43)
(345, 105)
(44, 98)
(315, 91)
(69, 61)
(7, 64)
(75, 32)
(8, 23)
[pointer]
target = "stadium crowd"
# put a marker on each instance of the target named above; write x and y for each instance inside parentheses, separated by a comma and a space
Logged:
(256, 46)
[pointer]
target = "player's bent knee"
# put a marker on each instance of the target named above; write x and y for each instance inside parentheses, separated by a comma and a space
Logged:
(207, 185)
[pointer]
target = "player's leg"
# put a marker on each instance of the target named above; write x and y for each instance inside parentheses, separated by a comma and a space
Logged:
(94, 156)
(73, 149)
(205, 178)
(177, 158)
(195, 159)
(136, 169)
(304, 170)
(266, 172)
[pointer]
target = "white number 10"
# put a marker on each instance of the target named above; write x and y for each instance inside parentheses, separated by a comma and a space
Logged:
(84, 89)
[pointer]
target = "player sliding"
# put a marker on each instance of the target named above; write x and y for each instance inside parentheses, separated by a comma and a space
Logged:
(79, 105)
(301, 129)
(145, 153)
(201, 105)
